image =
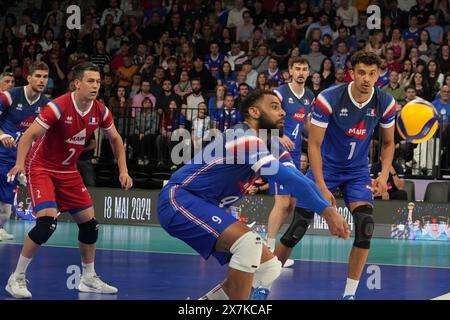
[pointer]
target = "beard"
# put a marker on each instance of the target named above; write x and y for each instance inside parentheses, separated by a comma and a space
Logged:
(266, 123)
(196, 91)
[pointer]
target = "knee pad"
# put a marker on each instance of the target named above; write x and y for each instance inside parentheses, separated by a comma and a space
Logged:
(364, 225)
(43, 230)
(88, 231)
(267, 273)
(246, 252)
(298, 227)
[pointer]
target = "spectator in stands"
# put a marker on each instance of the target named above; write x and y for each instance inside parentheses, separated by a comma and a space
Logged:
(170, 121)
(216, 102)
(162, 101)
(139, 98)
(107, 87)
(304, 163)
(255, 42)
(280, 47)
(339, 76)
(118, 60)
(190, 102)
(411, 34)
(6, 81)
(214, 60)
(435, 31)
(201, 124)
(244, 90)
(394, 88)
(327, 73)
(229, 116)
(261, 81)
(422, 89)
(145, 130)
(326, 46)
(406, 74)
(234, 88)
(140, 55)
(433, 77)
(235, 15)
(340, 57)
(183, 87)
(361, 30)
(383, 78)
(315, 84)
(392, 64)
(236, 56)
(260, 63)
(273, 73)
(322, 24)
(201, 72)
(443, 103)
(172, 72)
(245, 31)
(100, 57)
(120, 106)
(443, 58)
(250, 74)
(315, 57)
(114, 11)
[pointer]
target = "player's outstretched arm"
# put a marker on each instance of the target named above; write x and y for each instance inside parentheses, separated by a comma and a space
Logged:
(387, 154)
(119, 153)
(315, 139)
(309, 197)
(31, 134)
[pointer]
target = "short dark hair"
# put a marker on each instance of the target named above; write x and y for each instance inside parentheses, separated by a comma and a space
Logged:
(299, 60)
(254, 97)
(79, 69)
(37, 65)
(365, 57)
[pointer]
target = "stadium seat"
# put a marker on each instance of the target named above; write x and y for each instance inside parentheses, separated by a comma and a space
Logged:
(437, 192)
(410, 190)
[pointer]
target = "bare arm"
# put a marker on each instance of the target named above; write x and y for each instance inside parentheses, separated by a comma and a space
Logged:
(315, 139)
(387, 154)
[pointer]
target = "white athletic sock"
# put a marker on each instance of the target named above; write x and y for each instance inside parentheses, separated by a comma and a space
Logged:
(216, 293)
(22, 264)
(350, 287)
(271, 244)
(88, 268)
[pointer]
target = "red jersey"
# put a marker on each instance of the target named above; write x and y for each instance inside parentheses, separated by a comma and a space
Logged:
(67, 130)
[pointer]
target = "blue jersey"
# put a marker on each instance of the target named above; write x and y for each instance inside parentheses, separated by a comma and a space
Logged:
(214, 64)
(224, 178)
(350, 125)
(227, 119)
(297, 111)
(17, 114)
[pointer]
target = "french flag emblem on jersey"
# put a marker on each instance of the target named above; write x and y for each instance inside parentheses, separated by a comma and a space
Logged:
(92, 120)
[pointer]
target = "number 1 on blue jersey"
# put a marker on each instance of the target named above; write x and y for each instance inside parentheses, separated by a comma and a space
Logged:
(352, 149)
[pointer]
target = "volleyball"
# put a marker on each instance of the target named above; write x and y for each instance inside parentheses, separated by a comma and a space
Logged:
(417, 121)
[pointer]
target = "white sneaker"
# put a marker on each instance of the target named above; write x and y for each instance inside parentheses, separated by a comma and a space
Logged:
(17, 286)
(5, 235)
(288, 263)
(92, 283)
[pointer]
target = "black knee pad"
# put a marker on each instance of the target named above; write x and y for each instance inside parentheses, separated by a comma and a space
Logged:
(43, 230)
(299, 225)
(88, 231)
(364, 225)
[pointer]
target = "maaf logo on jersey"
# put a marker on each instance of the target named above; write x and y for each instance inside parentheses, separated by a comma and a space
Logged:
(26, 123)
(358, 132)
(299, 115)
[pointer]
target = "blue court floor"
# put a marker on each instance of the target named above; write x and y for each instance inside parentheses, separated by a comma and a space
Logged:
(145, 264)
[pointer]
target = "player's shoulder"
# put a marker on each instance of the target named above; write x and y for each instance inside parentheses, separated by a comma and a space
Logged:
(334, 91)
(309, 94)
(385, 99)
(63, 102)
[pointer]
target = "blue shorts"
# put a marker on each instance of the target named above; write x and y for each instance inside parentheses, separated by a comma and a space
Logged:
(355, 185)
(6, 189)
(278, 189)
(194, 220)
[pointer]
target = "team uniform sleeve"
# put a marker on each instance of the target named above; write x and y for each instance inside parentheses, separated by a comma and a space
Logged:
(388, 117)
(303, 189)
(107, 120)
(248, 150)
(49, 115)
(321, 111)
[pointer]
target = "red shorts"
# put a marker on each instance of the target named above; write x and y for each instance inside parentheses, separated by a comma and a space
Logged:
(63, 191)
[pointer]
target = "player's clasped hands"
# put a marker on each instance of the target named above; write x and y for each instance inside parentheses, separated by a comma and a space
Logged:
(125, 181)
(8, 141)
(379, 186)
